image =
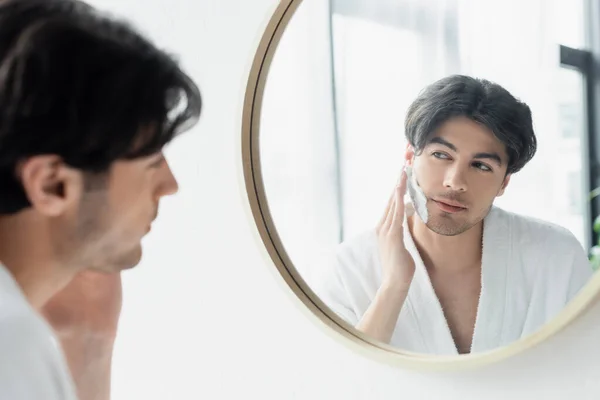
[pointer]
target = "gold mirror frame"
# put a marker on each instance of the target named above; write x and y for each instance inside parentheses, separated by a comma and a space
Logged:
(268, 239)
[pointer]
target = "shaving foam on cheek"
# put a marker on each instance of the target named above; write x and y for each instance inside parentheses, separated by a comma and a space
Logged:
(416, 194)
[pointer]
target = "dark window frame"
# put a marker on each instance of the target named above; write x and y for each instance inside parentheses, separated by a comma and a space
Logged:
(582, 62)
(586, 62)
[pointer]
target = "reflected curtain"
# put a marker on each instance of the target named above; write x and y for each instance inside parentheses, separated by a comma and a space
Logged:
(298, 139)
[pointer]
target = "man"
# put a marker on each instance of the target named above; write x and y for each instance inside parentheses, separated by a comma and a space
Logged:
(86, 107)
(459, 275)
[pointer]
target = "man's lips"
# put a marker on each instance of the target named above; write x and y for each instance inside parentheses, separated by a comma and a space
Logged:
(449, 206)
(150, 224)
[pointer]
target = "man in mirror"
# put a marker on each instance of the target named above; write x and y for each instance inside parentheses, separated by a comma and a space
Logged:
(448, 272)
(86, 108)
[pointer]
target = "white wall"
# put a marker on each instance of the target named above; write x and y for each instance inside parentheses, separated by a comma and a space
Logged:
(204, 318)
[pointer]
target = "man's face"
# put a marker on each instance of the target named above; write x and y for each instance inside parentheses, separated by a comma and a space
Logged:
(461, 170)
(112, 218)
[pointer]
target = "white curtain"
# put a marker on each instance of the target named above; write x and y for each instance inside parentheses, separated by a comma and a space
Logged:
(384, 53)
(297, 138)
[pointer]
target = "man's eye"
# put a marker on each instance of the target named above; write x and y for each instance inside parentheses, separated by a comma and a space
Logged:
(482, 167)
(439, 155)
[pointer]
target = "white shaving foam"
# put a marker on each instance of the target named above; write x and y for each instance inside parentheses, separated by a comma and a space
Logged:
(416, 194)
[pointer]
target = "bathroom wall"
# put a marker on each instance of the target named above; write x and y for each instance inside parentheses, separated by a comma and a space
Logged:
(204, 317)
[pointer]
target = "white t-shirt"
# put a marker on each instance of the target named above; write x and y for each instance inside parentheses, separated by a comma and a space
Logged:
(32, 364)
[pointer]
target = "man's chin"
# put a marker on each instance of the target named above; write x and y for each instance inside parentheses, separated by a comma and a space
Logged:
(449, 228)
(444, 226)
(131, 261)
(122, 262)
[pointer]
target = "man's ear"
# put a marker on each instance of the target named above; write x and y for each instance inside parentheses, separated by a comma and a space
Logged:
(50, 185)
(504, 185)
(409, 155)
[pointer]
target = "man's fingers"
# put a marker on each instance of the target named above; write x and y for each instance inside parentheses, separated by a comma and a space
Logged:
(395, 204)
(402, 183)
(388, 209)
(398, 212)
(390, 214)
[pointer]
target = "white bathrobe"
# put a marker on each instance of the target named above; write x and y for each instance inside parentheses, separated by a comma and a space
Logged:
(530, 271)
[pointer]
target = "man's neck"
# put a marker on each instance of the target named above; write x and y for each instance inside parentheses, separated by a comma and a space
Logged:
(29, 257)
(447, 253)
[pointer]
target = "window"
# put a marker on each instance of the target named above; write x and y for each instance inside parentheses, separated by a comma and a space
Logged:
(577, 115)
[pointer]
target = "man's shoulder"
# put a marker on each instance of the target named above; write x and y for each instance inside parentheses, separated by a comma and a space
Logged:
(528, 229)
(358, 253)
(30, 353)
(361, 243)
(21, 326)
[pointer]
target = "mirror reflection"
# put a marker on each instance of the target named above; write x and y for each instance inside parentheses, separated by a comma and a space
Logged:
(426, 166)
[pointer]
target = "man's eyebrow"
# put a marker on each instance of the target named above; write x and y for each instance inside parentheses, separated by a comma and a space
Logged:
(443, 142)
(490, 156)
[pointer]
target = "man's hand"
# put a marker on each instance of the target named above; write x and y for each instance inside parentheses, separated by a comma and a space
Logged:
(379, 321)
(398, 265)
(85, 315)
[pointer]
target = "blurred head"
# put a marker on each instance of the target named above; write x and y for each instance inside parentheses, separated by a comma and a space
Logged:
(466, 138)
(86, 107)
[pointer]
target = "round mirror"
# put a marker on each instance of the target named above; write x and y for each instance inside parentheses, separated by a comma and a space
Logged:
(420, 171)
